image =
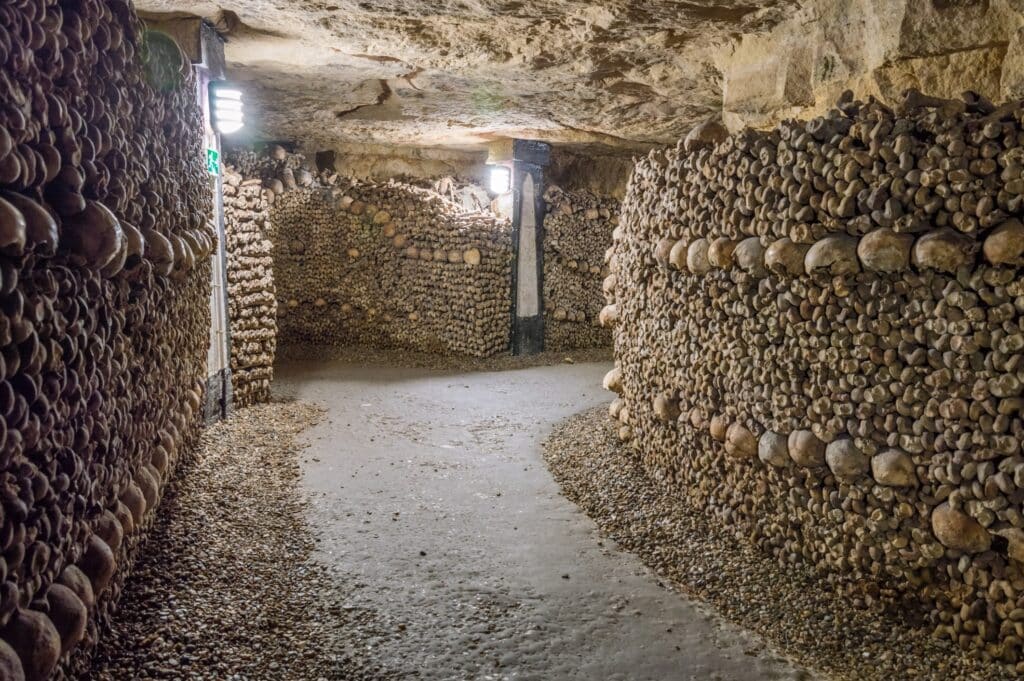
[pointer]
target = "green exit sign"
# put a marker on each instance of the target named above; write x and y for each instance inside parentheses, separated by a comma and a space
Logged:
(213, 161)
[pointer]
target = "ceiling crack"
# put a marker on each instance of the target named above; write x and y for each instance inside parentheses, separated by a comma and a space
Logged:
(382, 96)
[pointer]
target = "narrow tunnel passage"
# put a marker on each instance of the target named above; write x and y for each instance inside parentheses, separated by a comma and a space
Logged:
(293, 394)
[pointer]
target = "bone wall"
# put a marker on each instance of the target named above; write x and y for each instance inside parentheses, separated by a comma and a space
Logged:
(104, 330)
(577, 231)
(386, 264)
(252, 299)
(818, 336)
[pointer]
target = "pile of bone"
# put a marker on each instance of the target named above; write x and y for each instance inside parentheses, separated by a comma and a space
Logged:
(386, 264)
(104, 313)
(252, 300)
(819, 334)
(461, 192)
(278, 170)
(577, 231)
(271, 164)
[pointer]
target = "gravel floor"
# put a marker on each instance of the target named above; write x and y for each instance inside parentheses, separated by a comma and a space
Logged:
(233, 583)
(226, 587)
(790, 609)
(407, 531)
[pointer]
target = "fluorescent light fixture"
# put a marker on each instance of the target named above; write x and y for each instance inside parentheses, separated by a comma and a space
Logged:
(500, 179)
(226, 108)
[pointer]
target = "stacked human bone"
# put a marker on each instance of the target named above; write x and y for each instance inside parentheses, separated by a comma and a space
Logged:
(577, 231)
(252, 301)
(386, 264)
(818, 336)
(104, 329)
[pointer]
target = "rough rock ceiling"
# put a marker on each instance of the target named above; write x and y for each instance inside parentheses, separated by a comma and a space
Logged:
(460, 73)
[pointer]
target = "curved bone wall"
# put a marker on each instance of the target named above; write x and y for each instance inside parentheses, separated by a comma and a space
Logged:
(252, 299)
(577, 231)
(104, 290)
(818, 337)
(391, 265)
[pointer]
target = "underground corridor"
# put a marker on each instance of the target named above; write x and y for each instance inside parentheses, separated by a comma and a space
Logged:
(500, 341)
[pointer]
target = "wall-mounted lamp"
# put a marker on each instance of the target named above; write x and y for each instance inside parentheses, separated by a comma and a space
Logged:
(226, 108)
(500, 179)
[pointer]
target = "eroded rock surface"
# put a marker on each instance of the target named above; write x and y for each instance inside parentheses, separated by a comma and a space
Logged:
(461, 73)
(874, 47)
(619, 74)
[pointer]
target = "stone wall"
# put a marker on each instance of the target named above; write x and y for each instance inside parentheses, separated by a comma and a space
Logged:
(875, 47)
(386, 264)
(596, 170)
(382, 162)
(577, 231)
(104, 331)
(252, 298)
(818, 336)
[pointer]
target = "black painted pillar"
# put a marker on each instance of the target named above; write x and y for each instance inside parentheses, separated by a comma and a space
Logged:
(528, 162)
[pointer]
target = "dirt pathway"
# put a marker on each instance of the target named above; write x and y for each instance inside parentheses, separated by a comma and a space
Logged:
(443, 527)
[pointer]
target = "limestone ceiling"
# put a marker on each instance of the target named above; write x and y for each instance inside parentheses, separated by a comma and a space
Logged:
(455, 73)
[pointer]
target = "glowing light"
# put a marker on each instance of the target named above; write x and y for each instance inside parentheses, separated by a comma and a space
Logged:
(227, 115)
(226, 108)
(500, 179)
(228, 105)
